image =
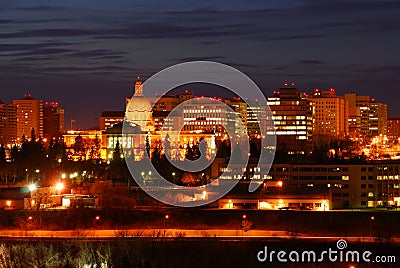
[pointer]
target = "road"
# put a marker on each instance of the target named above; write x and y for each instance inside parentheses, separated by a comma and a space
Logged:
(183, 233)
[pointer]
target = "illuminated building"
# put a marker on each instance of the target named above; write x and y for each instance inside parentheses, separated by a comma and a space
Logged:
(393, 127)
(53, 120)
(8, 123)
(366, 117)
(133, 141)
(372, 184)
(29, 116)
(330, 114)
(292, 116)
(138, 110)
(90, 139)
(109, 118)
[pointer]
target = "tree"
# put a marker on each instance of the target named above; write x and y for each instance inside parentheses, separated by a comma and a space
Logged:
(14, 153)
(2, 153)
(80, 148)
(188, 179)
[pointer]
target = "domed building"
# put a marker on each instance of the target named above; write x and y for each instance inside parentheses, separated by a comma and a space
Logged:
(139, 109)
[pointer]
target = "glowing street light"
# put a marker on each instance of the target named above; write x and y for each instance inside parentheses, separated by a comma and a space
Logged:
(59, 186)
(97, 218)
(280, 183)
(165, 219)
(32, 187)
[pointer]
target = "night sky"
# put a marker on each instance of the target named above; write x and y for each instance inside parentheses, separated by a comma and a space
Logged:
(87, 54)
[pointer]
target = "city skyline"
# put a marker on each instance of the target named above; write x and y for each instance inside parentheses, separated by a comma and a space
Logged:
(69, 51)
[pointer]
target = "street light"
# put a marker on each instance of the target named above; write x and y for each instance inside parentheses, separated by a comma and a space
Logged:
(372, 219)
(59, 187)
(97, 218)
(165, 219)
(32, 187)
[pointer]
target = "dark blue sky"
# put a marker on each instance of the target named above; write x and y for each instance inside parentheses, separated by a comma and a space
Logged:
(87, 54)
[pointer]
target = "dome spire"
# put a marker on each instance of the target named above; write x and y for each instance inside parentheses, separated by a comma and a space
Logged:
(138, 87)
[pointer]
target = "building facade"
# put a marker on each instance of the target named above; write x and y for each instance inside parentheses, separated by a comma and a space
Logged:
(29, 116)
(8, 123)
(53, 121)
(373, 184)
(109, 118)
(367, 117)
(330, 114)
(393, 127)
(292, 116)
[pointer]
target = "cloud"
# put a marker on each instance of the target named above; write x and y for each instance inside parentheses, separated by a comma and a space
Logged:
(51, 32)
(41, 8)
(311, 62)
(194, 58)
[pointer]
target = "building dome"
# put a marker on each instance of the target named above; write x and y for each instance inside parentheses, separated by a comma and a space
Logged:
(138, 110)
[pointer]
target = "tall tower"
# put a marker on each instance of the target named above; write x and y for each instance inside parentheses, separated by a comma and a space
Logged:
(29, 116)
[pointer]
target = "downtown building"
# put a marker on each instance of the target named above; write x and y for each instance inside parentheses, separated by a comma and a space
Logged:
(393, 127)
(367, 117)
(8, 124)
(29, 116)
(292, 116)
(53, 119)
(330, 115)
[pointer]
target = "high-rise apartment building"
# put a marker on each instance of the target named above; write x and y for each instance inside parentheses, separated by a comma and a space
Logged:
(29, 116)
(8, 123)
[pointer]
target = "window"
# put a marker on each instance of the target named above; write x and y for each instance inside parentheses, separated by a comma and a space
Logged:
(363, 178)
(363, 203)
(370, 178)
(370, 186)
(370, 169)
(363, 186)
(363, 194)
(363, 169)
